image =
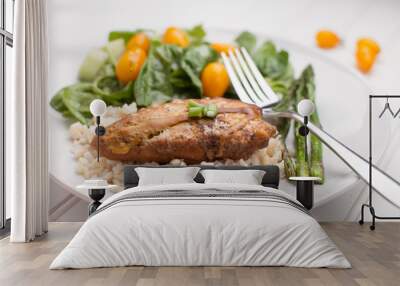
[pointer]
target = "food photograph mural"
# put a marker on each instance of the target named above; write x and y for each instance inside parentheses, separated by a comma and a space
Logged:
(170, 100)
(199, 142)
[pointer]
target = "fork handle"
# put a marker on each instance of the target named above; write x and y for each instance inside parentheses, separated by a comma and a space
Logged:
(382, 182)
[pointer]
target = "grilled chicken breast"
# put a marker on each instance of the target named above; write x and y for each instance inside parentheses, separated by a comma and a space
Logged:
(163, 133)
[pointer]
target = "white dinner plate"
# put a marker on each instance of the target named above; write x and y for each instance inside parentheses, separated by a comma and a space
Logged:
(341, 97)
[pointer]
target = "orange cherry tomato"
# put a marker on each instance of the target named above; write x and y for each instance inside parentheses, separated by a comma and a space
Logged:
(365, 58)
(327, 39)
(176, 36)
(222, 47)
(140, 40)
(368, 42)
(129, 64)
(215, 80)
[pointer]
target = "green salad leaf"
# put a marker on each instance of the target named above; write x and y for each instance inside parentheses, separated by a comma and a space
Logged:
(74, 101)
(172, 72)
(272, 63)
(169, 55)
(196, 34)
(112, 91)
(194, 60)
(152, 84)
(114, 49)
(106, 70)
(92, 64)
(126, 35)
(246, 40)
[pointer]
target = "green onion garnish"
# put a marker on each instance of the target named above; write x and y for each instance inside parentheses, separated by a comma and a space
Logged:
(196, 112)
(199, 110)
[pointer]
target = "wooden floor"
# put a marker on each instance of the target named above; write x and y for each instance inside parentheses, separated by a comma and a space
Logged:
(375, 257)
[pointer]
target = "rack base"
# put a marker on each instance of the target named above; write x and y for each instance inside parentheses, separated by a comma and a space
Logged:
(374, 216)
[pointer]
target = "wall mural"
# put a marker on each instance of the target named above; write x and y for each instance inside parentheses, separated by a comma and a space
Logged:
(170, 101)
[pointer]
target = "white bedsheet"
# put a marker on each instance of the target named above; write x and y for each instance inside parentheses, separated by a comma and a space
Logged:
(200, 231)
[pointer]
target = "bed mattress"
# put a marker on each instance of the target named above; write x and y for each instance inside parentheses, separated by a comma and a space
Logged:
(201, 225)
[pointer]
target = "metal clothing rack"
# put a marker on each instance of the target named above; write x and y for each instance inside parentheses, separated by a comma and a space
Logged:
(369, 205)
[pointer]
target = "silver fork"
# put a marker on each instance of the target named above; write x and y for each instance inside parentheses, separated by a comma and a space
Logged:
(252, 88)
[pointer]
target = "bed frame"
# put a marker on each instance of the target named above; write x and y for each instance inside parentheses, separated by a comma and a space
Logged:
(270, 179)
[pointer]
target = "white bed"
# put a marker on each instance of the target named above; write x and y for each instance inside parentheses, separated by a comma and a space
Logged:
(267, 229)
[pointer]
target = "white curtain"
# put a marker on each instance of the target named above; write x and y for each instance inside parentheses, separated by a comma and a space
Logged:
(26, 117)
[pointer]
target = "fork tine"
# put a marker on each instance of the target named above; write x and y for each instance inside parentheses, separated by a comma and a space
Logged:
(271, 95)
(257, 91)
(243, 79)
(235, 81)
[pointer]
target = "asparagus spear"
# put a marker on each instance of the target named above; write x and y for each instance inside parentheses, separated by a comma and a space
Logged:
(288, 163)
(302, 168)
(283, 127)
(307, 90)
(316, 168)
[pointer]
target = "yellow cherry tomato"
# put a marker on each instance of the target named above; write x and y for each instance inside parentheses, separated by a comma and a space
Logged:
(139, 40)
(365, 58)
(129, 64)
(370, 43)
(327, 39)
(215, 80)
(222, 47)
(176, 36)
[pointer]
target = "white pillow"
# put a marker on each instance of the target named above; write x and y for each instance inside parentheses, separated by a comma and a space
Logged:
(248, 177)
(164, 176)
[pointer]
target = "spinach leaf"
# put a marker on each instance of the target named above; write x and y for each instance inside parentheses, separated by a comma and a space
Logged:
(74, 101)
(180, 80)
(125, 35)
(107, 70)
(112, 91)
(272, 63)
(169, 55)
(171, 71)
(152, 84)
(246, 40)
(196, 34)
(57, 103)
(194, 60)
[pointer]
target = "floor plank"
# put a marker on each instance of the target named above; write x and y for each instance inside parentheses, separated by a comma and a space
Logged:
(375, 257)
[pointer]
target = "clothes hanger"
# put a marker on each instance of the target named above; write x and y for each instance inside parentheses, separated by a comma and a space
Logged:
(387, 107)
(397, 113)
